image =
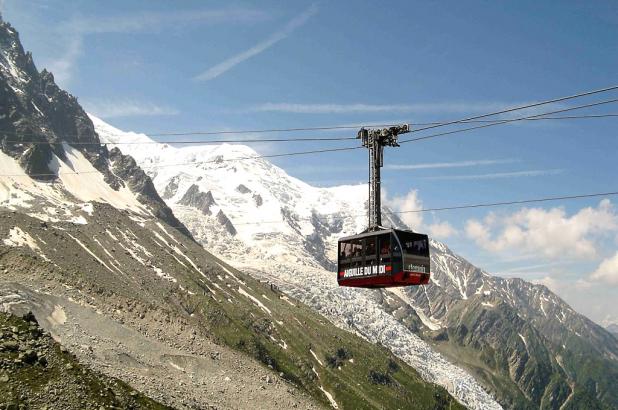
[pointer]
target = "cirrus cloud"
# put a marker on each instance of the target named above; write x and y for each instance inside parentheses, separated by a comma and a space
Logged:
(127, 108)
(297, 22)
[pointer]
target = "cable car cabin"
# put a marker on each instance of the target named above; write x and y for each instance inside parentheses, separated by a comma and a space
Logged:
(384, 258)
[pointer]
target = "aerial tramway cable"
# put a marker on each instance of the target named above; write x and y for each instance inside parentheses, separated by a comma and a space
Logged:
(426, 126)
(510, 120)
(327, 150)
(401, 142)
(458, 207)
(308, 139)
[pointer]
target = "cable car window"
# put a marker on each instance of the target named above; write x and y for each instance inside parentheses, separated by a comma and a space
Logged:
(416, 246)
(384, 243)
(357, 248)
(370, 247)
(345, 250)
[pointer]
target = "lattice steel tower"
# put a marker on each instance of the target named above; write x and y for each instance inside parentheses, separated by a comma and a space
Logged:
(375, 140)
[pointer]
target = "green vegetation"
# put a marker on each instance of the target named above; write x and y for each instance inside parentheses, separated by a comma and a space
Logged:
(228, 307)
(35, 372)
(523, 369)
(310, 352)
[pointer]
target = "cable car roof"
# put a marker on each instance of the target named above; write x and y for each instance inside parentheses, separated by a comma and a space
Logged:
(381, 231)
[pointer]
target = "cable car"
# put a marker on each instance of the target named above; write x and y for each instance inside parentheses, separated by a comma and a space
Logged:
(383, 258)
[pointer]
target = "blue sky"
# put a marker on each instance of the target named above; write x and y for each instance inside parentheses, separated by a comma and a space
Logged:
(193, 65)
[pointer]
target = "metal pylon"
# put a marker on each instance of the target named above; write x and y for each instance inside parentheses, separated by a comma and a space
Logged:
(375, 140)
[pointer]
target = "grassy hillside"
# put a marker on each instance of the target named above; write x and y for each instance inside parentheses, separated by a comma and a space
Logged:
(162, 283)
(309, 351)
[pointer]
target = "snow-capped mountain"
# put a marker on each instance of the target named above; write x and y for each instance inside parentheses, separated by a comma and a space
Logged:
(51, 163)
(87, 245)
(254, 215)
(519, 340)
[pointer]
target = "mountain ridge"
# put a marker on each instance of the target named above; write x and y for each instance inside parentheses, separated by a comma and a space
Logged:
(88, 246)
(519, 339)
(37, 110)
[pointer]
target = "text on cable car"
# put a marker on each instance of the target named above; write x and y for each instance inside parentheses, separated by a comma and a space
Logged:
(415, 268)
(365, 271)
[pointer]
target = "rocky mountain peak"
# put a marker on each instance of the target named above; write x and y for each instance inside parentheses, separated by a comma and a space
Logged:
(39, 122)
(200, 200)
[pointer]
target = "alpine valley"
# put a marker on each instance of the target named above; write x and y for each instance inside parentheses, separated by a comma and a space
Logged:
(519, 341)
(89, 247)
(204, 281)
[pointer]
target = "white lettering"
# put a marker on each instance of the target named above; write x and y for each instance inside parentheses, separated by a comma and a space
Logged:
(416, 268)
(364, 271)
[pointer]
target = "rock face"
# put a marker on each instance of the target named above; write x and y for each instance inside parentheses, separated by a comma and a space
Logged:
(226, 223)
(34, 109)
(28, 354)
(519, 340)
(170, 189)
(199, 200)
(243, 189)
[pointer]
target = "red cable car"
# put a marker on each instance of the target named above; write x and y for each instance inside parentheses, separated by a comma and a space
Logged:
(383, 258)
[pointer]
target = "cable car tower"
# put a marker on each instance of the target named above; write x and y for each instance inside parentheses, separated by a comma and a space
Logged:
(382, 257)
(375, 140)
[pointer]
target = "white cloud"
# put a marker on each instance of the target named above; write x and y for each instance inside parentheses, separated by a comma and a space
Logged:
(274, 38)
(407, 202)
(548, 233)
(153, 21)
(534, 268)
(75, 30)
(457, 164)
(422, 108)
(497, 175)
(414, 220)
(315, 169)
(607, 271)
(127, 108)
(551, 283)
(63, 67)
(441, 230)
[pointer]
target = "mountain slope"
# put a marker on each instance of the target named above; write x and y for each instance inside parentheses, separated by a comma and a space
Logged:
(38, 373)
(279, 242)
(34, 109)
(523, 343)
(150, 303)
(89, 247)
